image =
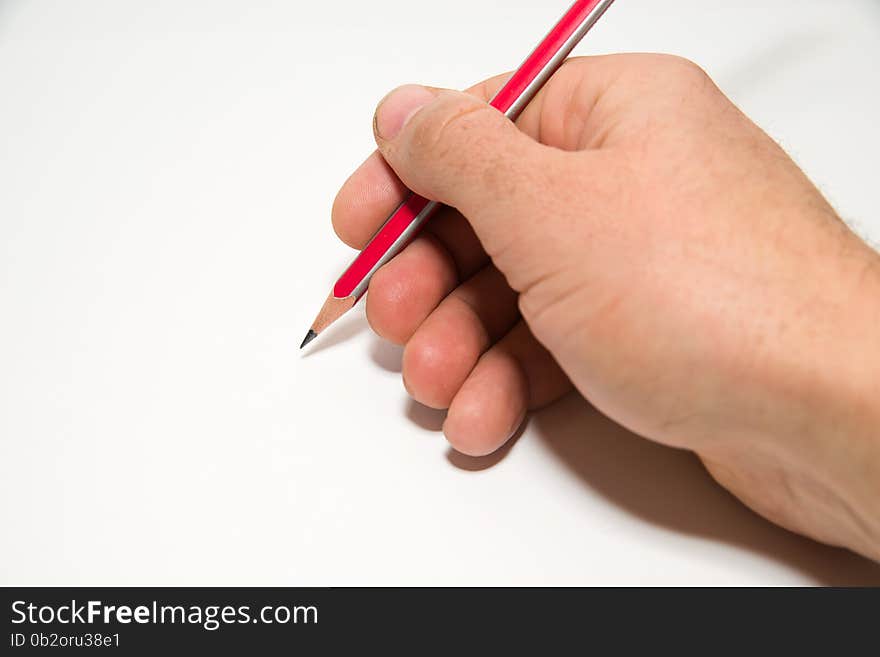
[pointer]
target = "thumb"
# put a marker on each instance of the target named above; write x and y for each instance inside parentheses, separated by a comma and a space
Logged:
(454, 148)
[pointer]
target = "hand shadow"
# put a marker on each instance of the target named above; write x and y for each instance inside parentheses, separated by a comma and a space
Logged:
(663, 486)
(390, 358)
(672, 489)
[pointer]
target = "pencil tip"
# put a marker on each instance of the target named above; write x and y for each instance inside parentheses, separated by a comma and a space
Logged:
(333, 309)
(311, 335)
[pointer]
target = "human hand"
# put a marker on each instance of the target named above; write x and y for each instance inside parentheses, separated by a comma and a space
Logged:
(637, 237)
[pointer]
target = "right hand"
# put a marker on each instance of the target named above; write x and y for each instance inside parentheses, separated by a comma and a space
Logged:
(637, 237)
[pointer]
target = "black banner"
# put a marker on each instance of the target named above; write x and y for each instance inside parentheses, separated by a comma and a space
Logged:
(134, 621)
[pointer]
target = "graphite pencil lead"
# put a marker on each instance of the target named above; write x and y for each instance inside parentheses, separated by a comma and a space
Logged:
(311, 335)
(333, 309)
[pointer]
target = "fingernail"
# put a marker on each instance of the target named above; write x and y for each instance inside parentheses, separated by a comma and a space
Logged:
(398, 107)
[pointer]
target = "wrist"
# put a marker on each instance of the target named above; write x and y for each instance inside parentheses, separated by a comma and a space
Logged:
(862, 410)
(839, 441)
(805, 452)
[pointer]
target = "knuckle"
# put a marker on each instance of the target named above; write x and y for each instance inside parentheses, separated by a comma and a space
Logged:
(683, 70)
(463, 139)
(449, 126)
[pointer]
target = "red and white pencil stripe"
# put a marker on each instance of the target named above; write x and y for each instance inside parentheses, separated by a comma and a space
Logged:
(405, 222)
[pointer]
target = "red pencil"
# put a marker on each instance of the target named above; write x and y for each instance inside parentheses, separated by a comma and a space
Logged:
(404, 223)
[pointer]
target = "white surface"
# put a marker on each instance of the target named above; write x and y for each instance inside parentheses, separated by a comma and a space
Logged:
(166, 174)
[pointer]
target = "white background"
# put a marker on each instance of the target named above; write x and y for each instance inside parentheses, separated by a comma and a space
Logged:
(166, 174)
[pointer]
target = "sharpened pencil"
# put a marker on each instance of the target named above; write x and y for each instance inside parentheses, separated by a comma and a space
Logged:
(409, 217)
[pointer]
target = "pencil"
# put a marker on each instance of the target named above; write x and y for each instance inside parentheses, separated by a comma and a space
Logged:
(406, 221)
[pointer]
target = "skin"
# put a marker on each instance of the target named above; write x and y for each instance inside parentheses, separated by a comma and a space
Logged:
(637, 238)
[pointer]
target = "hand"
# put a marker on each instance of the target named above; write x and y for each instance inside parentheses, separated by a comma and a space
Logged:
(636, 236)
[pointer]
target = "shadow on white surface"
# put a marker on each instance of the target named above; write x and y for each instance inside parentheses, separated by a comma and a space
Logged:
(387, 356)
(671, 489)
(665, 487)
(429, 419)
(345, 329)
